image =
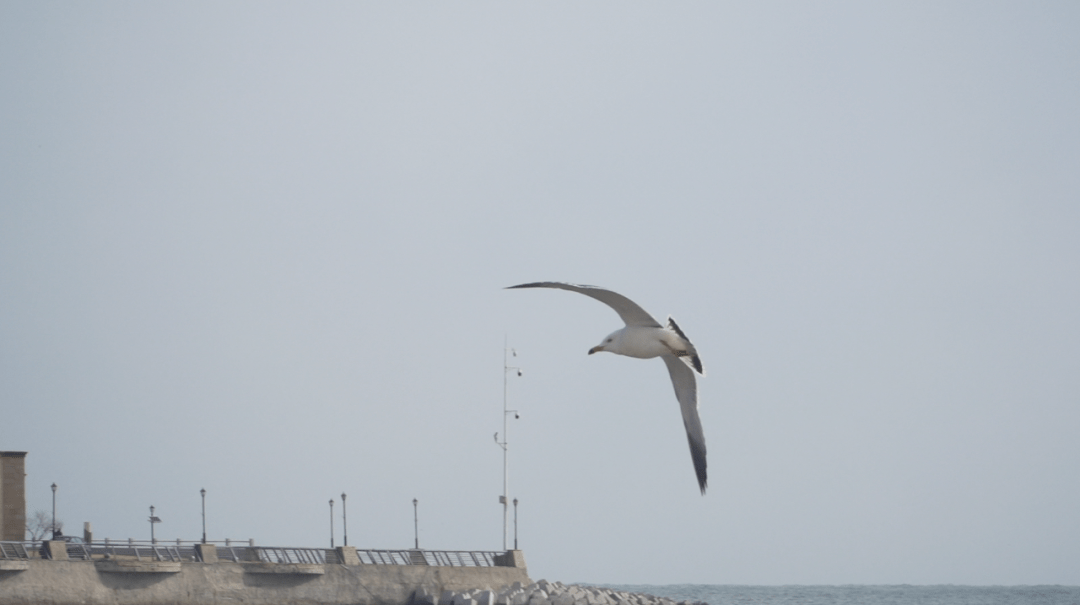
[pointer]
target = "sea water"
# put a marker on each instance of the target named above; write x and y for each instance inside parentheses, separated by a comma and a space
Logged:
(720, 594)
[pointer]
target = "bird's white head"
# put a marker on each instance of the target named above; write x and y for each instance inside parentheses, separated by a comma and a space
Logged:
(610, 343)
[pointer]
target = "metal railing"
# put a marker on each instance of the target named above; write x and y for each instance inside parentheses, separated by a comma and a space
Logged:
(237, 553)
(445, 558)
(462, 558)
(14, 550)
(150, 552)
(79, 551)
(313, 556)
(179, 542)
(384, 557)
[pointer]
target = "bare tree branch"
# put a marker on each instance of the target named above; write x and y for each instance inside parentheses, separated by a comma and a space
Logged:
(39, 525)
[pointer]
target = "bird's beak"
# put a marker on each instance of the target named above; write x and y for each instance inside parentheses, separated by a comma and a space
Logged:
(596, 349)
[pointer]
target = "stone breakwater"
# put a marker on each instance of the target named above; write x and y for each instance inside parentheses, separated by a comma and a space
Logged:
(543, 593)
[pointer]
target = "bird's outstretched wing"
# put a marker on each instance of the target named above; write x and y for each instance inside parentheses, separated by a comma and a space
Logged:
(682, 378)
(628, 310)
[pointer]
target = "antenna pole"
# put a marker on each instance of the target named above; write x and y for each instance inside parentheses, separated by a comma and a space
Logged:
(504, 444)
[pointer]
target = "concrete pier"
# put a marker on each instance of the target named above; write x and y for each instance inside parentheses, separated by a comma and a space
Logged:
(126, 582)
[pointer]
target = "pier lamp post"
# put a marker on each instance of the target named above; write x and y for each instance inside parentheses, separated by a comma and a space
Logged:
(344, 520)
(203, 492)
(416, 525)
(331, 522)
(515, 524)
(54, 510)
(153, 520)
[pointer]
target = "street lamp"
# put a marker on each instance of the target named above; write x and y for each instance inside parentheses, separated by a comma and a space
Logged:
(203, 492)
(416, 526)
(153, 520)
(515, 524)
(54, 511)
(344, 519)
(331, 522)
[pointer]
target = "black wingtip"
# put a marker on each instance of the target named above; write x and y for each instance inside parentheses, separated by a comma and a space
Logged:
(697, 453)
(674, 326)
(530, 285)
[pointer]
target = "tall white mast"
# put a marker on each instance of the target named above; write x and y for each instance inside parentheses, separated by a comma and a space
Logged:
(505, 497)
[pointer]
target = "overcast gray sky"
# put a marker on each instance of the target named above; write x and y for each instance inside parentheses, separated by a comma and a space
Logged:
(259, 248)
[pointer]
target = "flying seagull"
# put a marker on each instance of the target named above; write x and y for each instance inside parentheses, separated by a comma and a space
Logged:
(644, 338)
